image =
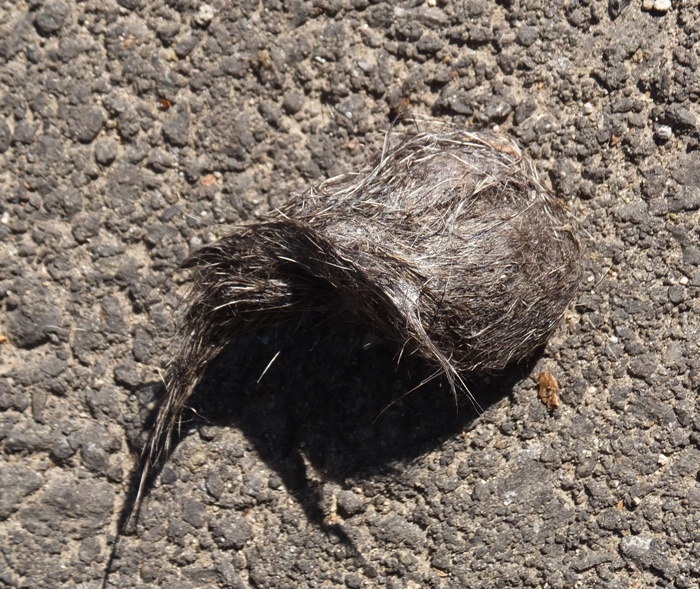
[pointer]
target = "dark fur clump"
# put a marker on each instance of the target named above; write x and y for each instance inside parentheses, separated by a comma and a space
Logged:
(448, 245)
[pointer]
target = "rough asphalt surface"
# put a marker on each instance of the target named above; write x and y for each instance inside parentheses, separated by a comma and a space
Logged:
(133, 131)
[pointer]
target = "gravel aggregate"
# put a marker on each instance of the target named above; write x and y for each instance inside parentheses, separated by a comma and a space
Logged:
(131, 132)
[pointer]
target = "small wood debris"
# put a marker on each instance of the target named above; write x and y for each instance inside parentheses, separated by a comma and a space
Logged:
(208, 180)
(548, 389)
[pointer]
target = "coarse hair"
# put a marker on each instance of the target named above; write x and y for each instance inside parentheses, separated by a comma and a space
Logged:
(447, 244)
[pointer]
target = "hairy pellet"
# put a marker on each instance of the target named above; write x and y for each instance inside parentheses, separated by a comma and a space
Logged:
(447, 244)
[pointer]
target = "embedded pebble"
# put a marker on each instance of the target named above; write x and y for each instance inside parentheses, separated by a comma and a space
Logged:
(663, 132)
(176, 127)
(105, 151)
(32, 323)
(204, 15)
(230, 531)
(50, 17)
(16, 483)
(636, 547)
(662, 6)
(87, 123)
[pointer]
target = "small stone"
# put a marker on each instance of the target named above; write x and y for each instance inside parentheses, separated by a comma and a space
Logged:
(680, 117)
(50, 17)
(524, 110)
(93, 457)
(62, 450)
(87, 503)
(127, 375)
(72, 203)
(107, 245)
(687, 199)
(103, 401)
(194, 513)
(31, 323)
(90, 549)
(25, 132)
(85, 227)
(215, 484)
(497, 110)
(429, 44)
(38, 405)
(113, 315)
(662, 5)
(676, 294)
(643, 366)
(591, 561)
(168, 476)
(231, 531)
(184, 45)
(143, 344)
(204, 15)
(394, 530)
(5, 136)
(52, 366)
(293, 103)
(88, 123)
(350, 503)
(176, 128)
(634, 212)
(663, 132)
(105, 151)
(527, 35)
(167, 29)
(16, 482)
(636, 547)
(130, 4)
(161, 161)
(616, 7)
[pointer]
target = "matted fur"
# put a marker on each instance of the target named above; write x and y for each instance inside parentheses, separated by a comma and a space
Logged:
(448, 244)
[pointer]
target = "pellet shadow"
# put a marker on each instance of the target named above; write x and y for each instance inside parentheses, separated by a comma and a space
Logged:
(313, 392)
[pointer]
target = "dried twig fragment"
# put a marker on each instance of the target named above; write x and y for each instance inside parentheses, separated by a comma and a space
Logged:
(548, 388)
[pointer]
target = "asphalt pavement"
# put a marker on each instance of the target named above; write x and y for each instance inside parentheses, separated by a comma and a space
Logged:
(131, 132)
